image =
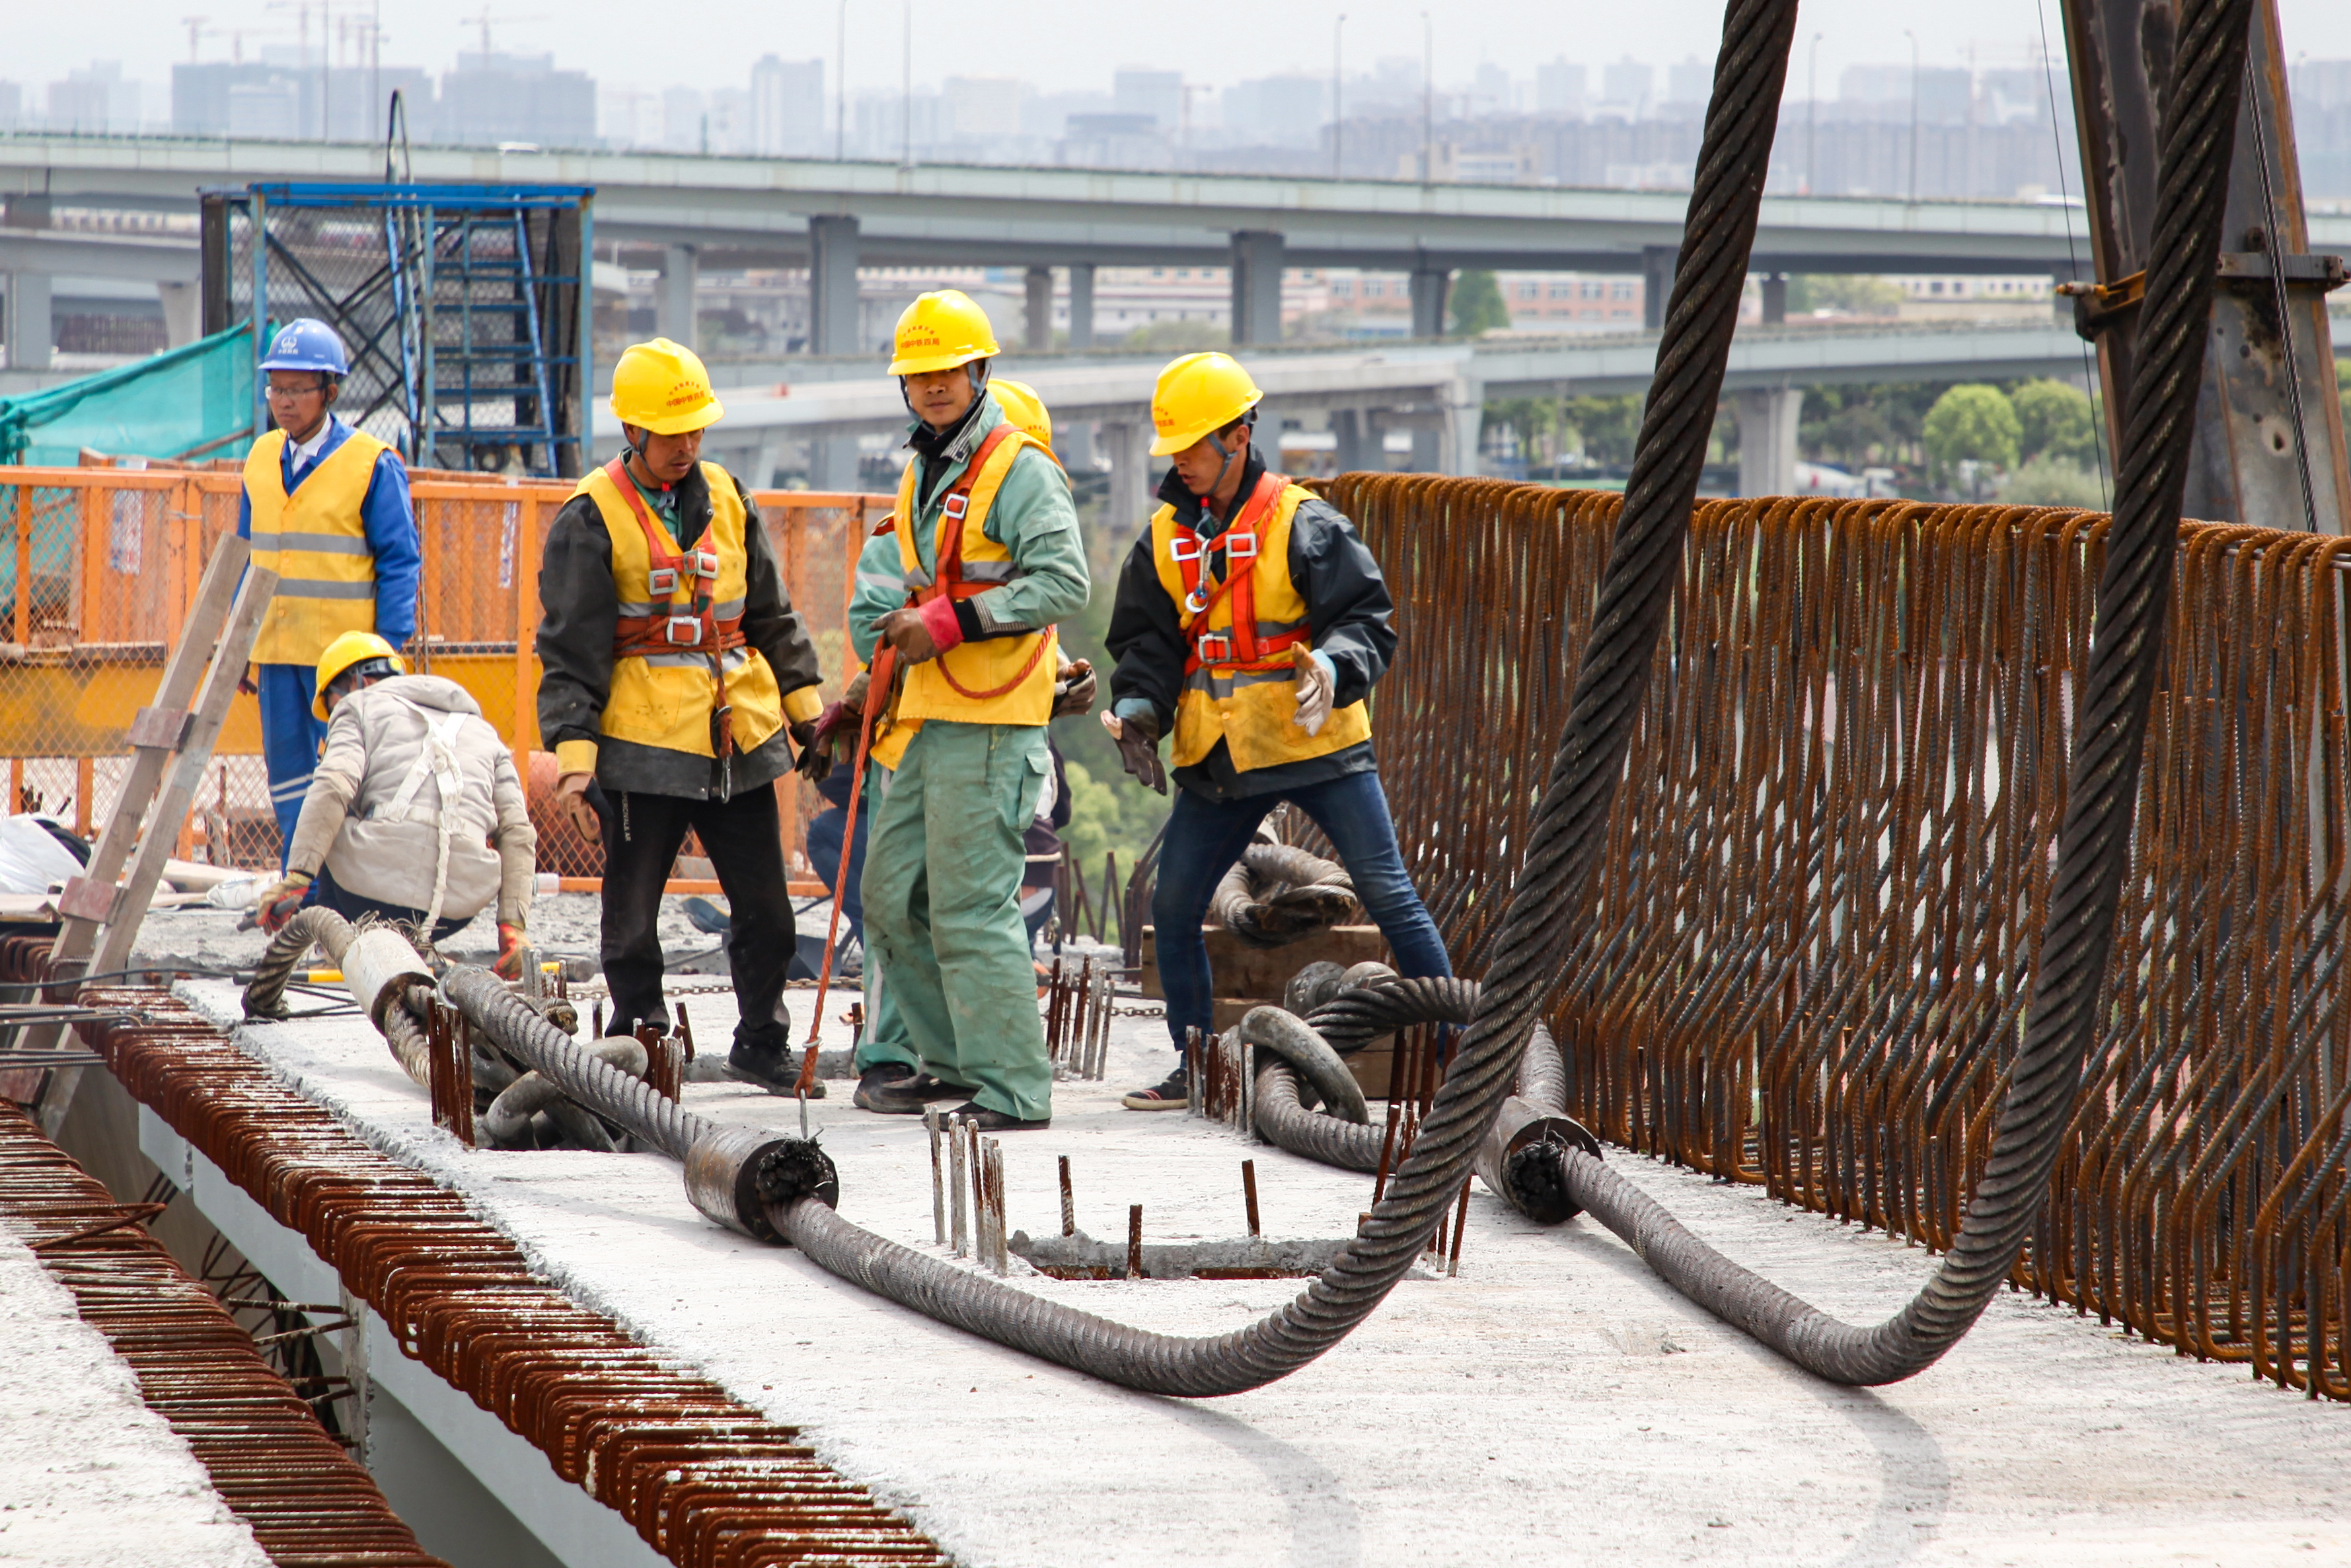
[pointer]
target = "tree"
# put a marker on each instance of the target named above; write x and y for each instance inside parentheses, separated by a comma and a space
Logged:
(1606, 427)
(1850, 293)
(2057, 420)
(1971, 423)
(1478, 306)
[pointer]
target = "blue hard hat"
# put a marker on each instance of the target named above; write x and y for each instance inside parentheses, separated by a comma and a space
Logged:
(308, 344)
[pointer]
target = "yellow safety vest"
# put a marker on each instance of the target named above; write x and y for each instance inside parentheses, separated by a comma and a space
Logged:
(1243, 690)
(665, 698)
(1001, 680)
(315, 541)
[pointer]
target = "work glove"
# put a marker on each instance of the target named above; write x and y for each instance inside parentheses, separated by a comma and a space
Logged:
(1317, 681)
(571, 799)
(1138, 748)
(815, 742)
(1073, 690)
(280, 900)
(514, 952)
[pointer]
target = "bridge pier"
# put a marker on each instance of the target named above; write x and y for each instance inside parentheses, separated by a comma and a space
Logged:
(834, 327)
(1257, 287)
(673, 300)
(1430, 285)
(1656, 284)
(1037, 310)
(1081, 305)
(1775, 298)
(26, 325)
(1465, 427)
(183, 312)
(1767, 440)
(1130, 474)
(1347, 448)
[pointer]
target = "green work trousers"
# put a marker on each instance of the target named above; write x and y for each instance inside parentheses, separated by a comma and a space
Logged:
(943, 865)
(885, 1039)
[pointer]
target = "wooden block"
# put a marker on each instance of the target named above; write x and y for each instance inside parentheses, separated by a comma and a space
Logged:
(1240, 971)
(84, 899)
(159, 727)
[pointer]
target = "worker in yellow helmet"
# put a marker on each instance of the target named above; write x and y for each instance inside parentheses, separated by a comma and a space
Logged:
(1024, 409)
(964, 585)
(1252, 623)
(676, 678)
(415, 813)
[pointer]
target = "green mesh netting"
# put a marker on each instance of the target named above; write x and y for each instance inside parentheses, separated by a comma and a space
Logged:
(190, 401)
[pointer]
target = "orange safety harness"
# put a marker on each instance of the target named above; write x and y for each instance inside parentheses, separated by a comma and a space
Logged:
(702, 632)
(1238, 647)
(947, 579)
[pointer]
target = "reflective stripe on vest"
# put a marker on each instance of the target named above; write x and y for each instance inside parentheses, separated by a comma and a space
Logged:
(315, 541)
(1239, 680)
(664, 695)
(997, 680)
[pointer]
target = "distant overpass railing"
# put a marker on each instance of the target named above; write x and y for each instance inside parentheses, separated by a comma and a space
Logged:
(99, 566)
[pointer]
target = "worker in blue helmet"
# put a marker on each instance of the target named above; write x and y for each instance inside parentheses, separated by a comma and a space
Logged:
(327, 509)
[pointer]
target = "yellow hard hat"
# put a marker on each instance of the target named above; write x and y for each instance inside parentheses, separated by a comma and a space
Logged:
(660, 386)
(350, 648)
(1197, 395)
(939, 331)
(1024, 409)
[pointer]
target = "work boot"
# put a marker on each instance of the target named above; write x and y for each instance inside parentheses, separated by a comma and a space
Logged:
(877, 1077)
(988, 1121)
(908, 1096)
(771, 1064)
(1171, 1093)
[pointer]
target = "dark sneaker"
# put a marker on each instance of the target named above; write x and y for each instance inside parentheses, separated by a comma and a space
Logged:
(776, 1070)
(908, 1096)
(988, 1121)
(1173, 1094)
(877, 1078)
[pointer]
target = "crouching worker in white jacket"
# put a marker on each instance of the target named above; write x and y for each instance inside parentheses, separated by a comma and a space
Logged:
(415, 813)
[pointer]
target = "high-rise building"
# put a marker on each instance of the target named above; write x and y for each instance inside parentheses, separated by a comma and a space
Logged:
(1559, 87)
(983, 106)
(1285, 110)
(1626, 86)
(95, 102)
(1690, 84)
(2320, 85)
(499, 98)
(788, 117)
(1159, 94)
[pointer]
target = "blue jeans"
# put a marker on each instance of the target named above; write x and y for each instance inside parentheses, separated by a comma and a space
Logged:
(1206, 837)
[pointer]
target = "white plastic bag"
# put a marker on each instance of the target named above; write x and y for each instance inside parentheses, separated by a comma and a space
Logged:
(31, 859)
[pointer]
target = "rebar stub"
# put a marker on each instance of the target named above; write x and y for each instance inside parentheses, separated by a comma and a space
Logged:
(733, 1175)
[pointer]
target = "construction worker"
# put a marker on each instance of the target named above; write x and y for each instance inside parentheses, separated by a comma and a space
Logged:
(1252, 621)
(676, 676)
(327, 509)
(964, 585)
(414, 813)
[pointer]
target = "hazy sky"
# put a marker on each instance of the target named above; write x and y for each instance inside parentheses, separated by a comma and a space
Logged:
(1064, 44)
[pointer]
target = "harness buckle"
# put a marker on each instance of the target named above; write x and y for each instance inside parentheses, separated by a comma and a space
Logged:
(705, 563)
(1182, 548)
(957, 503)
(662, 581)
(683, 630)
(1234, 544)
(1215, 648)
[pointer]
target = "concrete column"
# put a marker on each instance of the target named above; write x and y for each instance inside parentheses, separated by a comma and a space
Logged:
(1767, 440)
(1257, 287)
(1081, 305)
(1465, 427)
(1430, 285)
(1129, 446)
(183, 312)
(1775, 298)
(833, 463)
(30, 332)
(1037, 310)
(832, 285)
(1656, 283)
(1348, 447)
(1074, 444)
(673, 295)
(769, 457)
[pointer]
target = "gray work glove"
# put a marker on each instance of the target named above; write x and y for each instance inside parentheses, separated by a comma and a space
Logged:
(1318, 682)
(1073, 689)
(1138, 748)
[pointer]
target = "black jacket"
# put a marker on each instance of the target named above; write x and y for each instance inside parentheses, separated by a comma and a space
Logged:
(1347, 609)
(581, 611)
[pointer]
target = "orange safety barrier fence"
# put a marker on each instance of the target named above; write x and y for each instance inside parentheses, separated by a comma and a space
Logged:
(100, 564)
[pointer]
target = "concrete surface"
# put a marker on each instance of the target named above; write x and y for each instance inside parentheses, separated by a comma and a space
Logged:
(1556, 1399)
